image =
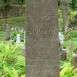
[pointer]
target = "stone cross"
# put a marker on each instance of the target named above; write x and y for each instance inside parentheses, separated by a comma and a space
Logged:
(42, 45)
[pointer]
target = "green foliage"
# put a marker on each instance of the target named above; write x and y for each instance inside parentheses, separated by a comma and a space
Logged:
(72, 14)
(21, 2)
(14, 22)
(73, 4)
(70, 35)
(63, 64)
(60, 20)
(15, 2)
(68, 72)
(2, 35)
(12, 64)
(12, 36)
(60, 24)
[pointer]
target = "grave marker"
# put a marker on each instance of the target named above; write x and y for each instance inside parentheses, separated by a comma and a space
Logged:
(74, 61)
(61, 38)
(42, 45)
(18, 38)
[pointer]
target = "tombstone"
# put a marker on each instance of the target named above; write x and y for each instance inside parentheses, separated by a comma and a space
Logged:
(42, 45)
(74, 61)
(63, 54)
(18, 38)
(7, 34)
(71, 47)
(61, 38)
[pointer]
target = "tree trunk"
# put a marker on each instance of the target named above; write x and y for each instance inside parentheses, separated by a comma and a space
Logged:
(42, 45)
(65, 11)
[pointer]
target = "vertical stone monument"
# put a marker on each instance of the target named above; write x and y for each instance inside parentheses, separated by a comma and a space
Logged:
(7, 32)
(42, 45)
(18, 38)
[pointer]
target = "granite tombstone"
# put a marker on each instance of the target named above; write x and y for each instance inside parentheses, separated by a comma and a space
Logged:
(42, 45)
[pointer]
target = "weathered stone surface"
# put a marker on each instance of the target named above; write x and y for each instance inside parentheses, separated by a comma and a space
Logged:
(7, 35)
(74, 61)
(63, 54)
(42, 46)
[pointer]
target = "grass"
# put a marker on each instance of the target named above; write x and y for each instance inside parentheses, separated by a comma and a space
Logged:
(17, 21)
(12, 36)
(12, 63)
(14, 22)
(2, 34)
(68, 42)
(66, 67)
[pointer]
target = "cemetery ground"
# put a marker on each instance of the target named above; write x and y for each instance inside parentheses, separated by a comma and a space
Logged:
(67, 66)
(12, 63)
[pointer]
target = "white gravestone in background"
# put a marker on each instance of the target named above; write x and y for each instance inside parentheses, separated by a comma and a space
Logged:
(18, 38)
(61, 38)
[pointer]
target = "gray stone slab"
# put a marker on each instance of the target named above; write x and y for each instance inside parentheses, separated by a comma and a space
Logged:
(42, 46)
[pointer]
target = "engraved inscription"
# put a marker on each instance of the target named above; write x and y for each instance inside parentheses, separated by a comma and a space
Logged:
(40, 31)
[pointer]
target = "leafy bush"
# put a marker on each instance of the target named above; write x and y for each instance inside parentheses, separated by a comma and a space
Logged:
(2, 35)
(13, 22)
(60, 20)
(70, 35)
(68, 72)
(72, 14)
(12, 64)
(16, 21)
(12, 36)
(72, 21)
